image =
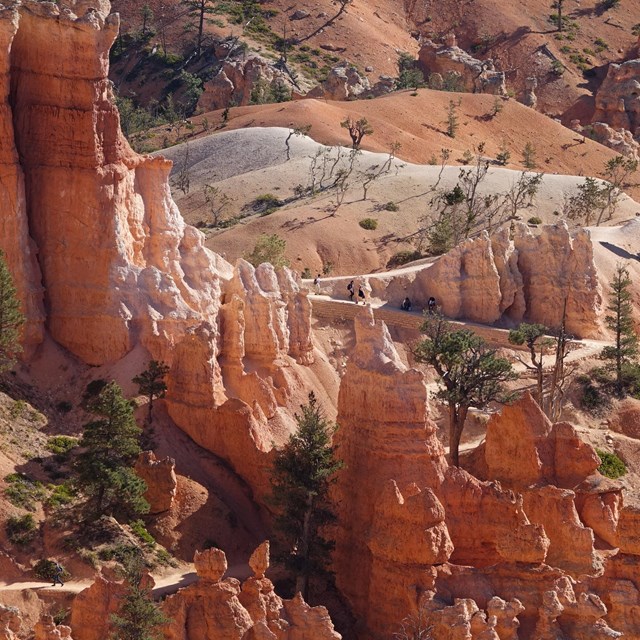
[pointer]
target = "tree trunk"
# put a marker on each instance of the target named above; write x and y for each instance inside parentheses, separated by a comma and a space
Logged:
(302, 581)
(201, 27)
(457, 418)
(560, 15)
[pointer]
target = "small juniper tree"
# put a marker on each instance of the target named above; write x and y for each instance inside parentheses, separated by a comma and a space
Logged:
(146, 14)
(620, 320)
(471, 374)
(303, 472)
(533, 335)
(358, 129)
(11, 318)
(138, 616)
(529, 156)
(110, 446)
(452, 119)
(151, 383)
(269, 248)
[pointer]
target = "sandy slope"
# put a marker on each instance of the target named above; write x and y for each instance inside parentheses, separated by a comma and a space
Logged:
(417, 122)
(247, 163)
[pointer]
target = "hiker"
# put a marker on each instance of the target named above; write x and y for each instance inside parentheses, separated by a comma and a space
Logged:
(316, 283)
(406, 304)
(57, 574)
(361, 294)
(351, 291)
(431, 305)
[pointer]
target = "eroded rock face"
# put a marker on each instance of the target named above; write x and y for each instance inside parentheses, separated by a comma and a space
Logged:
(92, 608)
(526, 277)
(473, 545)
(15, 241)
(214, 608)
(238, 81)
(343, 83)
(160, 477)
(618, 98)
(10, 623)
(47, 629)
(524, 448)
(119, 266)
(475, 76)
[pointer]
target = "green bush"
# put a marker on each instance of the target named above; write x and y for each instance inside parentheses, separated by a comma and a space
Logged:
(534, 220)
(138, 528)
(17, 409)
(21, 530)
(266, 202)
(611, 466)
(23, 491)
(119, 552)
(368, 223)
(60, 495)
(61, 445)
(390, 206)
(403, 257)
(592, 398)
(45, 570)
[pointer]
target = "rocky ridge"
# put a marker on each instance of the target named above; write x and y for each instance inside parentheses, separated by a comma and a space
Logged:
(116, 265)
(533, 564)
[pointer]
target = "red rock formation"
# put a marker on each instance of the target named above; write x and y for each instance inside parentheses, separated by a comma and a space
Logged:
(160, 477)
(617, 101)
(524, 448)
(47, 629)
(120, 267)
(219, 609)
(92, 608)
(511, 276)
(472, 545)
(15, 241)
(10, 623)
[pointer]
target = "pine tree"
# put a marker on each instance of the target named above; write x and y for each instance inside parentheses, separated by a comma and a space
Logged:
(620, 321)
(111, 446)
(151, 383)
(303, 472)
(11, 318)
(471, 374)
(138, 617)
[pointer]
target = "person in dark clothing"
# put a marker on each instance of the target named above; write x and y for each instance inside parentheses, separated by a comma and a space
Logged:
(406, 304)
(351, 291)
(361, 294)
(431, 305)
(57, 575)
(316, 283)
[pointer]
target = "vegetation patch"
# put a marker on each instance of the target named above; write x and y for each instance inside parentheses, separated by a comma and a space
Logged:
(370, 224)
(21, 530)
(611, 466)
(23, 491)
(138, 528)
(61, 445)
(403, 257)
(45, 570)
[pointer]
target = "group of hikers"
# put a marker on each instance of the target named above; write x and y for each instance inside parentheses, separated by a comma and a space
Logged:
(406, 305)
(352, 292)
(431, 305)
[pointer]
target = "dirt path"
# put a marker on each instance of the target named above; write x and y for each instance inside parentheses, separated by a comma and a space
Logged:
(328, 308)
(165, 583)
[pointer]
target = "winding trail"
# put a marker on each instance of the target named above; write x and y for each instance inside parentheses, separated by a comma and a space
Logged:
(335, 310)
(165, 583)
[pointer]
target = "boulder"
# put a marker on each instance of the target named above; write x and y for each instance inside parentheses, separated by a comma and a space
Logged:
(475, 76)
